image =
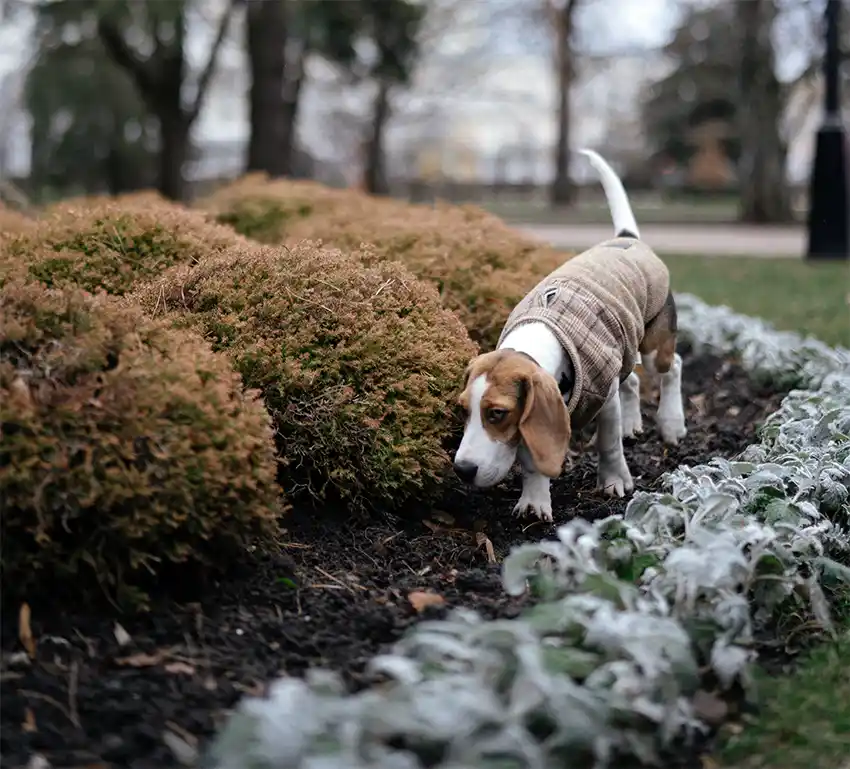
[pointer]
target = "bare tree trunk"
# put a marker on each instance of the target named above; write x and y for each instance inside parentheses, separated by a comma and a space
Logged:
(173, 153)
(293, 84)
(561, 19)
(376, 172)
(276, 83)
(765, 196)
(266, 31)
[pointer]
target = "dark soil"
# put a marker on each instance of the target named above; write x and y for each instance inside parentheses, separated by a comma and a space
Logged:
(337, 596)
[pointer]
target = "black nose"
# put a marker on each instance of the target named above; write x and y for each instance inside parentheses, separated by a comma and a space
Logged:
(465, 471)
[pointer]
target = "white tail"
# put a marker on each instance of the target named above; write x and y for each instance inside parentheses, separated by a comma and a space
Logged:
(615, 193)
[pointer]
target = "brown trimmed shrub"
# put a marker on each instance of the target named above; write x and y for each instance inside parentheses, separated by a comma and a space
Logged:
(13, 227)
(479, 265)
(13, 224)
(125, 446)
(357, 365)
(100, 244)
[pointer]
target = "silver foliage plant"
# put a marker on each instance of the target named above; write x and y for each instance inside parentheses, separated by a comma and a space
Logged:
(630, 608)
(780, 357)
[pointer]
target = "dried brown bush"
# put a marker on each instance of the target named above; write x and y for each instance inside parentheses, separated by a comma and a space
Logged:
(480, 266)
(357, 365)
(125, 446)
(97, 243)
(13, 227)
(13, 224)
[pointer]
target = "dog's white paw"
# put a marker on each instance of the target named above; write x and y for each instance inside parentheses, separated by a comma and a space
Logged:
(672, 428)
(538, 506)
(614, 479)
(631, 423)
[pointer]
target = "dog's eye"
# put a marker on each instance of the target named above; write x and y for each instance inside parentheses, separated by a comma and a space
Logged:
(494, 416)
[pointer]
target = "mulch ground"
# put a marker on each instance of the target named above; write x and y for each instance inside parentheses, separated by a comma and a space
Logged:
(145, 693)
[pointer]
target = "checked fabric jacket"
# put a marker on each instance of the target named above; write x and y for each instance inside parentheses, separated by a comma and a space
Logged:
(597, 305)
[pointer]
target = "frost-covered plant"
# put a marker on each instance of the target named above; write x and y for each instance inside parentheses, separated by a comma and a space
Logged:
(573, 684)
(631, 608)
(783, 358)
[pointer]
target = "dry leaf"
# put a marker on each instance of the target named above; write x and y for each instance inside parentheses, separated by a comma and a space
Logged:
(443, 517)
(698, 402)
(25, 630)
(140, 660)
(482, 539)
(180, 667)
(182, 749)
(121, 635)
(431, 525)
(421, 599)
(29, 722)
(20, 396)
(710, 708)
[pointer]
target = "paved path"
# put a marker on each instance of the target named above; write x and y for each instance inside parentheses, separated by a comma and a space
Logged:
(712, 240)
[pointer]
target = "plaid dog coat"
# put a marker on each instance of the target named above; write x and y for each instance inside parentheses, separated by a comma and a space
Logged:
(597, 304)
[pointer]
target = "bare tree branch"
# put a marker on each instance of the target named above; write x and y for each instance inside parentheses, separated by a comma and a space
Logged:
(209, 67)
(124, 57)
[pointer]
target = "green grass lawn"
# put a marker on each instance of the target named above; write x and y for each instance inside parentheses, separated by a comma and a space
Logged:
(793, 295)
(804, 720)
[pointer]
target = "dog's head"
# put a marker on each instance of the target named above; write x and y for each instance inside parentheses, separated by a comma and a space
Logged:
(508, 400)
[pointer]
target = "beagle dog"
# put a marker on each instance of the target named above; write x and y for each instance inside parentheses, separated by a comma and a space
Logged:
(566, 359)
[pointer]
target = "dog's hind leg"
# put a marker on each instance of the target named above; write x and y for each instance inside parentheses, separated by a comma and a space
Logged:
(659, 358)
(630, 417)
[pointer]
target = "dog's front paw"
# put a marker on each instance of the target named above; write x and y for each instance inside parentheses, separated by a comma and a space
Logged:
(672, 428)
(614, 479)
(631, 423)
(541, 507)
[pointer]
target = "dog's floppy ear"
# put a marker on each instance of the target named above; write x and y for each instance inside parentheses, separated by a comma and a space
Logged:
(466, 374)
(545, 424)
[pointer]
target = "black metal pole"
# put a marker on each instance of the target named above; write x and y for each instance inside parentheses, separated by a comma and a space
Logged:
(829, 203)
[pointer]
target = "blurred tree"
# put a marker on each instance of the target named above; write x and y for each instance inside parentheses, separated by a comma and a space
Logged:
(723, 71)
(90, 131)
(765, 196)
(280, 35)
(147, 40)
(392, 27)
(275, 85)
(561, 21)
(699, 87)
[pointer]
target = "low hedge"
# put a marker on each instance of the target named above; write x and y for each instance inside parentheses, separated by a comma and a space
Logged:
(13, 224)
(480, 266)
(96, 243)
(13, 227)
(125, 446)
(357, 364)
